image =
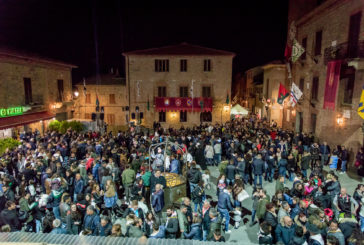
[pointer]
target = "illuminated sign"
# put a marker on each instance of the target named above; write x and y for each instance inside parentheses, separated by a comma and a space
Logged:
(12, 111)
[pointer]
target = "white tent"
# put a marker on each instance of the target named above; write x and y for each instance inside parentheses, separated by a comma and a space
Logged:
(238, 110)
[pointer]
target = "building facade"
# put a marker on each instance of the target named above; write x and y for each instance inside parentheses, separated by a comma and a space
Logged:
(110, 90)
(180, 85)
(32, 91)
(331, 30)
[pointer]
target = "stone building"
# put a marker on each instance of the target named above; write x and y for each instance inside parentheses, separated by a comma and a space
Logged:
(110, 89)
(33, 90)
(182, 84)
(329, 30)
(274, 74)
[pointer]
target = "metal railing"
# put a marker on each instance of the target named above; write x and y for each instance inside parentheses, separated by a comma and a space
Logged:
(344, 51)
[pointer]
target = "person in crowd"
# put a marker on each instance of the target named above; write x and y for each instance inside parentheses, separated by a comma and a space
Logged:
(285, 230)
(57, 228)
(158, 201)
(224, 206)
(196, 229)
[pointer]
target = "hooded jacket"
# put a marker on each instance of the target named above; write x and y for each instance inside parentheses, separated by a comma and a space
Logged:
(195, 233)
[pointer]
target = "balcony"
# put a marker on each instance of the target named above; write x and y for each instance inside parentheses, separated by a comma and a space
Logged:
(344, 51)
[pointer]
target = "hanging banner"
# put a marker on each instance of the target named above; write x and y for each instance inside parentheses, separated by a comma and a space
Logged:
(332, 81)
(296, 94)
(183, 104)
(297, 51)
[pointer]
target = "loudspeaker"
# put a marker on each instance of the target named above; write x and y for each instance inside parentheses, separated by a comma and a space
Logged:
(102, 116)
(141, 115)
(97, 108)
(137, 108)
(102, 109)
(127, 108)
(133, 115)
(93, 116)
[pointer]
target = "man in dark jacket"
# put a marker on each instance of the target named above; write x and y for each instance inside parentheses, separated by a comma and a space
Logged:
(344, 159)
(8, 193)
(205, 213)
(215, 224)
(230, 171)
(91, 221)
(171, 223)
(157, 178)
(105, 227)
(78, 188)
(9, 216)
(158, 201)
(224, 206)
(194, 176)
(258, 169)
(325, 153)
(285, 230)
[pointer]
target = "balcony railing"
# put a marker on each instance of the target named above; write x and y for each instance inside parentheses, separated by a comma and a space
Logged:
(344, 51)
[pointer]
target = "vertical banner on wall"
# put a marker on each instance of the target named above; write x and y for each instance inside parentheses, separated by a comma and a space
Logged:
(332, 81)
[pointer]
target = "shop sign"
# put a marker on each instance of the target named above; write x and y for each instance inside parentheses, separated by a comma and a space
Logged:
(12, 111)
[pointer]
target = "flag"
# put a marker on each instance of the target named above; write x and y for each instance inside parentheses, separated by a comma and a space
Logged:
(297, 50)
(235, 99)
(227, 99)
(84, 86)
(296, 94)
(288, 51)
(332, 81)
(361, 104)
(148, 107)
(282, 94)
(191, 89)
(97, 101)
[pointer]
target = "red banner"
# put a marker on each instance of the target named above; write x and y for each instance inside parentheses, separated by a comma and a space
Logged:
(332, 81)
(183, 104)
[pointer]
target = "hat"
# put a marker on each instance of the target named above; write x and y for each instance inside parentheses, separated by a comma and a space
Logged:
(313, 228)
(56, 223)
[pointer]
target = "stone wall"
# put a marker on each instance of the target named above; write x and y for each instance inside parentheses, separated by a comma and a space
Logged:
(333, 18)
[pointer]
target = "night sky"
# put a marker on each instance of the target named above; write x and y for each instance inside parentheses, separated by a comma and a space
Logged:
(66, 30)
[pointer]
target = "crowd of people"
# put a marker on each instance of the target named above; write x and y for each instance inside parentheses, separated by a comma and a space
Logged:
(91, 184)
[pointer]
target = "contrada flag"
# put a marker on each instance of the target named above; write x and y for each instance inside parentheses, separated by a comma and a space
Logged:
(332, 81)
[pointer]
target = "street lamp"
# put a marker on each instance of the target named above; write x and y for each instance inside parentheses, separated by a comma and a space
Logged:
(76, 94)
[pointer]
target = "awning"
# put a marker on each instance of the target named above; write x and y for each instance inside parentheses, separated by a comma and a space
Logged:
(10, 122)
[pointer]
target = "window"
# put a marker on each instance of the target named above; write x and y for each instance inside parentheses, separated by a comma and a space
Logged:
(313, 122)
(314, 92)
(318, 42)
(183, 65)
(162, 92)
(112, 99)
(161, 65)
(60, 90)
(88, 98)
(183, 116)
(206, 116)
(87, 115)
(304, 45)
(302, 84)
(349, 89)
(354, 31)
(111, 119)
(206, 92)
(162, 116)
(183, 91)
(207, 65)
(28, 90)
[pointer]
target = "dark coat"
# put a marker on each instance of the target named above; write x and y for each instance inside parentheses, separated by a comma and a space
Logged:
(230, 171)
(224, 201)
(195, 233)
(200, 158)
(215, 224)
(158, 201)
(131, 211)
(105, 230)
(92, 222)
(258, 166)
(206, 220)
(347, 226)
(284, 233)
(154, 180)
(172, 227)
(10, 217)
(271, 219)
